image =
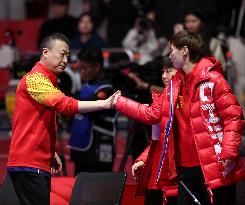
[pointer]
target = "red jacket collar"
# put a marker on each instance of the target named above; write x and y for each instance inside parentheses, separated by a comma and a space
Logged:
(46, 72)
(206, 65)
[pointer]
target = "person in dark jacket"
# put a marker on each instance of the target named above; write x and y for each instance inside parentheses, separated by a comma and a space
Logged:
(87, 36)
(92, 136)
(60, 21)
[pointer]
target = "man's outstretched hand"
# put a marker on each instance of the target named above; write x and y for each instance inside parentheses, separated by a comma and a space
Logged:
(112, 100)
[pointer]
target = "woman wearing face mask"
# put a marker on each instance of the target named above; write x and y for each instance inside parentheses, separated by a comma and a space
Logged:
(87, 36)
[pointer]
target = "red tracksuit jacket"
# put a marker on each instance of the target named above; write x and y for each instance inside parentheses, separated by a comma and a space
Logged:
(34, 119)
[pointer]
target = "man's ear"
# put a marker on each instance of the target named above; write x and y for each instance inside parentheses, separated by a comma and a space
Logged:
(185, 50)
(45, 52)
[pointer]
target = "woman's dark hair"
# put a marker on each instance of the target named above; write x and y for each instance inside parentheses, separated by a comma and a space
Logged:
(192, 41)
(204, 33)
(92, 18)
(197, 13)
(166, 62)
(91, 55)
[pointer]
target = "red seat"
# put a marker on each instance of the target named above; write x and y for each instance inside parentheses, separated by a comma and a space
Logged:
(61, 189)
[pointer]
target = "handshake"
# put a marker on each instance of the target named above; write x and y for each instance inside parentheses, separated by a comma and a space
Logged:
(112, 100)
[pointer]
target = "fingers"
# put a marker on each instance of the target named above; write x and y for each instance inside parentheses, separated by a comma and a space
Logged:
(113, 99)
(136, 169)
(55, 170)
(133, 170)
(60, 167)
(57, 167)
(226, 162)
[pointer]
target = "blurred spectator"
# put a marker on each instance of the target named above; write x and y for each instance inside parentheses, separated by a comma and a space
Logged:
(77, 7)
(142, 85)
(142, 39)
(153, 69)
(33, 13)
(162, 40)
(166, 19)
(122, 15)
(229, 16)
(92, 136)
(60, 21)
(87, 36)
(194, 20)
(119, 21)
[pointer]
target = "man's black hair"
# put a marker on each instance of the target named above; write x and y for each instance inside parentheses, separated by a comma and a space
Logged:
(91, 55)
(49, 40)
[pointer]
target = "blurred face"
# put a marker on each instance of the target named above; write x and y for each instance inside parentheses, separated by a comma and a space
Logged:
(176, 56)
(85, 25)
(167, 74)
(89, 72)
(193, 23)
(56, 58)
(58, 11)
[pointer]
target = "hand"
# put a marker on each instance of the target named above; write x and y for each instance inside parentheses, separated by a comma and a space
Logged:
(226, 162)
(112, 100)
(142, 85)
(56, 165)
(229, 166)
(136, 168)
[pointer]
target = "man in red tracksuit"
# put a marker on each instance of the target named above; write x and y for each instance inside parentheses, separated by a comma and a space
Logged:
(32, 158)
(201, 126)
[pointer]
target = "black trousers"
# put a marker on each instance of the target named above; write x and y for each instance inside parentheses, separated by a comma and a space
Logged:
(193, 179)
(155, 197)
(31, 188)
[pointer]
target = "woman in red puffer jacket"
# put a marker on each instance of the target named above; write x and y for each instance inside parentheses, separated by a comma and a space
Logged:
(144, 168)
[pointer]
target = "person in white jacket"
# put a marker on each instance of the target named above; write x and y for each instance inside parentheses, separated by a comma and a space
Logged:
(141, 39)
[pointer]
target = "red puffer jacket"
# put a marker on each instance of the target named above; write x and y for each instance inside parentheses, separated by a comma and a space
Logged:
(148, 173)
(216, 121)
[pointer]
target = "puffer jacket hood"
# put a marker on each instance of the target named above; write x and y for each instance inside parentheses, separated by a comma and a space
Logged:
(205, 66)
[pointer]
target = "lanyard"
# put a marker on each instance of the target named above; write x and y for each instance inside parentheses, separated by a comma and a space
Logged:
(167, 130)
